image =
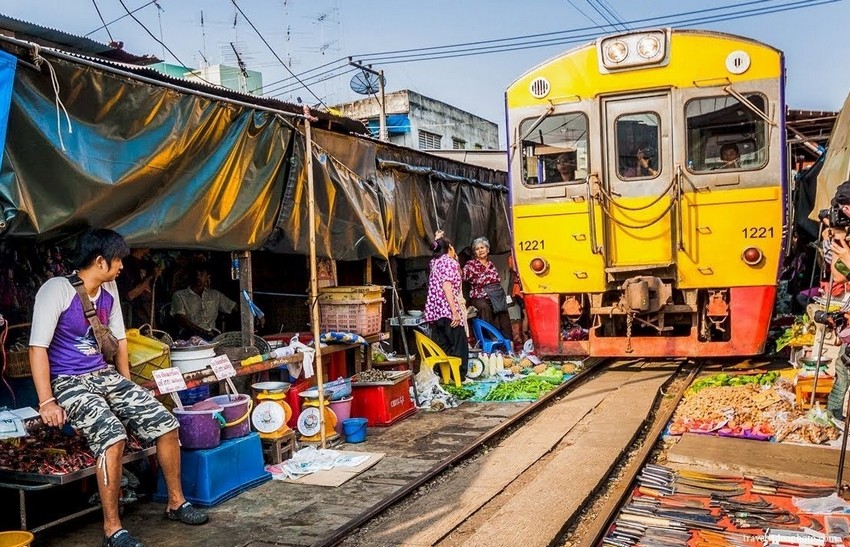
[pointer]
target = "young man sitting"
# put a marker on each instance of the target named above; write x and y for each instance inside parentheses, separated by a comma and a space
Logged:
(76, 384)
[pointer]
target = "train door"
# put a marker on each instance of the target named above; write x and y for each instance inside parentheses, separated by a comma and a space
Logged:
(638, 173)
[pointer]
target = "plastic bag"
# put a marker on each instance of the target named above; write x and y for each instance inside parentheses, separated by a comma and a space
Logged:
(821, 506)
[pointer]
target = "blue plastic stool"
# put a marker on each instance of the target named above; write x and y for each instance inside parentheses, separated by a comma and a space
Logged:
(489, 337)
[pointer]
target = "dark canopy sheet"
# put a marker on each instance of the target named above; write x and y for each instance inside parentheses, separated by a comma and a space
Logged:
(378, 199)
(163, 168)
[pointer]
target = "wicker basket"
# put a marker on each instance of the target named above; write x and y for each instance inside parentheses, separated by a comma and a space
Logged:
(160, 335)
(233, 339)
(18, 364)
(146, 354)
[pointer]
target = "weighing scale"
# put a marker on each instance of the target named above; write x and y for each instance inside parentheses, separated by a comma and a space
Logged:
(309, 421)
(271, 411)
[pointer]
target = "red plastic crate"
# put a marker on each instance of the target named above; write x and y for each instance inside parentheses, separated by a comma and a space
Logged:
(294, 401)
(383, 405)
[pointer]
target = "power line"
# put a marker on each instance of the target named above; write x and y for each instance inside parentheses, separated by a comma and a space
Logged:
(604, 15)
(97, 9)
(160, 42)
(644, 21)
(667, 21)
(563, 37)
(610, 9)
(263, 38)
(578, 9)
(595, 27)
(103, 26)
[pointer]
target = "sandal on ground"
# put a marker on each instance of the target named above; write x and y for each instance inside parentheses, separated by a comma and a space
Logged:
(187, 514)
(122, 538)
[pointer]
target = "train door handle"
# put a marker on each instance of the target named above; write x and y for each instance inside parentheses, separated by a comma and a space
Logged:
(580, 275)
(706, 271)
(704, 229)
(580, 237)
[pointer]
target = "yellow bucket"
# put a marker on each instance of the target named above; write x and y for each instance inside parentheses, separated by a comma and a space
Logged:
(15, 538)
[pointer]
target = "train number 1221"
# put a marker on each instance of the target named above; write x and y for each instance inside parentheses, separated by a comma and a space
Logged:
(532, 245)
(757, 232)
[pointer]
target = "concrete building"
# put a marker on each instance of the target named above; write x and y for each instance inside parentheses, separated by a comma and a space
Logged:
(223, 75)
(416, 121)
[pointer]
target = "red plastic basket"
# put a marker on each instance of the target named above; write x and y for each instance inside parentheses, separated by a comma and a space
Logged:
(363, 318)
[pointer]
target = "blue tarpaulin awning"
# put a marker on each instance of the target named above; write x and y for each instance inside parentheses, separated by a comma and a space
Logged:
(397, 124)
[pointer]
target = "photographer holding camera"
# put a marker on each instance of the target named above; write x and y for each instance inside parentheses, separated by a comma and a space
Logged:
(837, 254)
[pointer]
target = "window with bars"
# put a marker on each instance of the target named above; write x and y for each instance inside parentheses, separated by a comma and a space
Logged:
(458, 144)
(429, 141)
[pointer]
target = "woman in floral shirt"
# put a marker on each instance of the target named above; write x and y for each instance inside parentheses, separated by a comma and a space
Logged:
(442, 307)
(480, 272)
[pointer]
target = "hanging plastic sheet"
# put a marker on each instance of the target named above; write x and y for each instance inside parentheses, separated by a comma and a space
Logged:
(470, 200)
(165, 169)
(349, 223)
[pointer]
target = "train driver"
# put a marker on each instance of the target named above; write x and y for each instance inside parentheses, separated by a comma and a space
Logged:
(730, 156)
(566, 166)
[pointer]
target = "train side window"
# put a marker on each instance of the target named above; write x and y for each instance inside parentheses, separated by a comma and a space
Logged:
(555, 149)
(724, 134)
(637, 145)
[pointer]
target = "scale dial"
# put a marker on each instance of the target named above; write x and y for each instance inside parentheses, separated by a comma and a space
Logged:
(268, 417)
(309, 422)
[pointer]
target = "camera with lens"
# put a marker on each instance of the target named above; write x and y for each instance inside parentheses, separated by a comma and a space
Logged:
(833, 318)
(837, 219)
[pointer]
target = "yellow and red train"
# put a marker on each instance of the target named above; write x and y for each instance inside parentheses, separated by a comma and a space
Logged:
(648, 185)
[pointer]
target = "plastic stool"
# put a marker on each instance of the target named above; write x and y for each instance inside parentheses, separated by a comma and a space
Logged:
(489, 337)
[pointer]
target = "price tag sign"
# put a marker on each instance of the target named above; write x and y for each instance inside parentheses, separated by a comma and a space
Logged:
(222, 367)
(169, 380)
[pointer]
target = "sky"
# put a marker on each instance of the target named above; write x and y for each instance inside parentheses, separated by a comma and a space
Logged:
(306, 34)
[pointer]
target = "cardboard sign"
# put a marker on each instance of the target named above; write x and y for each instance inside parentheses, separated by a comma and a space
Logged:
(222, 367)
(169, 380)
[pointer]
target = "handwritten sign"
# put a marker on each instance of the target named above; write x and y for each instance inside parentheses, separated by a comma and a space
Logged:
(222, 367)
(169, 380)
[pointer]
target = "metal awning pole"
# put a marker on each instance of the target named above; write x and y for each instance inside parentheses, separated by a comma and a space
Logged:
(314, 282)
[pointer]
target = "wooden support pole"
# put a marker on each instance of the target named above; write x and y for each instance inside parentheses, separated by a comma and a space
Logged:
(246, 284)
(314, 282)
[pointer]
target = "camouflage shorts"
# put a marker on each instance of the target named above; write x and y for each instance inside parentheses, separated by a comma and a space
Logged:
(100, 404)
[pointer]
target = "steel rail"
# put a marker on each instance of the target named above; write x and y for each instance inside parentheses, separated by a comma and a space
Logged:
(344, 531)
(617, 496)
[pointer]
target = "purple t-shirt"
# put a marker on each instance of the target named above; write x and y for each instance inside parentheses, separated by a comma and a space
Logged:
(60, 325)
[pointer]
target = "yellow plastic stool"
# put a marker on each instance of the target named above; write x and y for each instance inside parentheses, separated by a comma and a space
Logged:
(432, 354)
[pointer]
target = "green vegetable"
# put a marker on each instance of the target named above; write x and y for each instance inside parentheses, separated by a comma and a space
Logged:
(531, 387)
(723, 379)
(461, 393)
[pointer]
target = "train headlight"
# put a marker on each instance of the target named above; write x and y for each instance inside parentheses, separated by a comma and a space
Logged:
(539, 265)
(648, 47)
(752, 256)
(616, 52)
(632, 50)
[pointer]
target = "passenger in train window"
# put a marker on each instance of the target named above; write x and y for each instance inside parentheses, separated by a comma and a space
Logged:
(645, 165)
(566, 167)
(730, 156)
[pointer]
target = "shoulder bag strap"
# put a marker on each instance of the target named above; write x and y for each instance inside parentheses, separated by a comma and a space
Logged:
(88, 309)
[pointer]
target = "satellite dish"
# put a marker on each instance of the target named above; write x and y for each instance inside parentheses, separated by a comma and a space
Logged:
(365, 83)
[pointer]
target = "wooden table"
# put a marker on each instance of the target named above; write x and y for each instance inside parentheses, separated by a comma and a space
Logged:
(206, 376)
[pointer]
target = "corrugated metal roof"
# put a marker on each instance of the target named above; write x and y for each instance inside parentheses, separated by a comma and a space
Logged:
(96, 52)
(79, 44)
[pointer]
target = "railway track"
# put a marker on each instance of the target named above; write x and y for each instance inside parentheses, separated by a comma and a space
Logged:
(553, 474)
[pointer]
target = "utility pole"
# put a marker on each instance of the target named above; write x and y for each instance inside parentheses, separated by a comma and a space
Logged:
(382, 131)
